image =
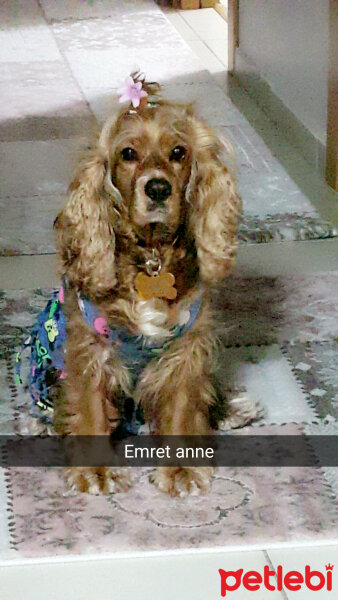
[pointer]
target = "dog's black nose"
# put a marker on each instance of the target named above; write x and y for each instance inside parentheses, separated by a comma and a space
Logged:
(158, 189)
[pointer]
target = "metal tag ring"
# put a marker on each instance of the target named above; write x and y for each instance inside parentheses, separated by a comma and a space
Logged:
(153, 266)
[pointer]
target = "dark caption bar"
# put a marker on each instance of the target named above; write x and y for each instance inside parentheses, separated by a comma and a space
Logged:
(187, 451)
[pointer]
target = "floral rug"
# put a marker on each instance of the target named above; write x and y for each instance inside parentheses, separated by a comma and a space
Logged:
(280, 343)
(241, 510)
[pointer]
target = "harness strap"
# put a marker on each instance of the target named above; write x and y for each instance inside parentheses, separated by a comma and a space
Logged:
(48, 336)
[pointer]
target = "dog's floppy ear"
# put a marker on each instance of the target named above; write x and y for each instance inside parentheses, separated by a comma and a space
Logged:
(214, 203)
(85, 227)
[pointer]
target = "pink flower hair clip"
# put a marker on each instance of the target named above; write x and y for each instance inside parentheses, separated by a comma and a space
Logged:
(132, 91)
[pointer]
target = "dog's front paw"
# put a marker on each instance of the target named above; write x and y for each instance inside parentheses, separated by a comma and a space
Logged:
(98, 480)
(183, 481)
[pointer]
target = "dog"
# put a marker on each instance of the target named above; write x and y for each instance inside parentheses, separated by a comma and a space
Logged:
(148, 228)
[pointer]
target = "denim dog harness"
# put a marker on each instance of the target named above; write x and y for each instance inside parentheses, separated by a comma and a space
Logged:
(46, 342)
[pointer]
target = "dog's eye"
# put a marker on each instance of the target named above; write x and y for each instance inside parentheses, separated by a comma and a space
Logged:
(129, 154)
(177, 153)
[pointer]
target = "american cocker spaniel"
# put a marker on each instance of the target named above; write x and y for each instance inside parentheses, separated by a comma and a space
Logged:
(149, 225)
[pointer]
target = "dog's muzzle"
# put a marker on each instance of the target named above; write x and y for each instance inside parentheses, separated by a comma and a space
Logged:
(158, 190)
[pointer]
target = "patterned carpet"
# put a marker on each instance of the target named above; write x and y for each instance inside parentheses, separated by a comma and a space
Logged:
(280, 337)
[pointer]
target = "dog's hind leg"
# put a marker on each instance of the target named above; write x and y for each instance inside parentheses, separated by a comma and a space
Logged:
(241, 411)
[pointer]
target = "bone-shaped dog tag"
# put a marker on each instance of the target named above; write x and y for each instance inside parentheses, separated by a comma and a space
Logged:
(157, 286)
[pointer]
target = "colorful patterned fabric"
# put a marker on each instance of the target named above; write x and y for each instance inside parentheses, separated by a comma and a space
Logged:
(46, 343)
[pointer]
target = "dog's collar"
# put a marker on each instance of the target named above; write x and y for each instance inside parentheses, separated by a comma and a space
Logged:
(153, 261)
(148, 255)
(155, 284)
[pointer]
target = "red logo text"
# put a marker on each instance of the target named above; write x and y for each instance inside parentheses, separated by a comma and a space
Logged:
(272, 580)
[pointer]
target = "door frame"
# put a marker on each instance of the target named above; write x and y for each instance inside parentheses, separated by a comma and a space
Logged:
(233, 39)
(332, 100)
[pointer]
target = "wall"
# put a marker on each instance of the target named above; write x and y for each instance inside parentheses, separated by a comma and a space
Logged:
(286, 44)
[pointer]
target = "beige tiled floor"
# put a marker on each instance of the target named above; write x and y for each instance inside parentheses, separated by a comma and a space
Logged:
(207, 23)
(166, 577)
(206, 33)
(206, 56)
(295, 559)
(183, 28)
(196, 578)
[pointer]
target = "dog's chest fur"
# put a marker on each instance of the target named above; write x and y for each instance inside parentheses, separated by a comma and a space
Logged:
(157, 317)
(154, 318)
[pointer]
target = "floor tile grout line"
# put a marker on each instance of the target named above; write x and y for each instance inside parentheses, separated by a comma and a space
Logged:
(194, 30)
(217, 84)
(218, 58)
(270, 563)
(177, 12)
(199, 37)
(209, 50)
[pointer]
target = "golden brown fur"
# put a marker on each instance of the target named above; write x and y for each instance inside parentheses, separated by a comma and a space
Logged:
(104, 239)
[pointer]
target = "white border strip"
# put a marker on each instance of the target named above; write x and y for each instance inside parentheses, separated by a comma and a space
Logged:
(162, 553)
